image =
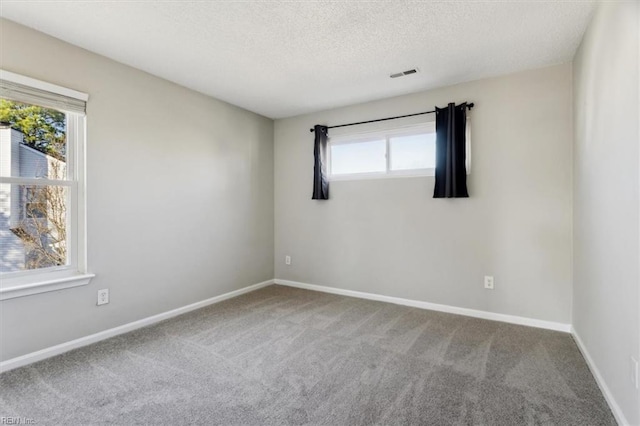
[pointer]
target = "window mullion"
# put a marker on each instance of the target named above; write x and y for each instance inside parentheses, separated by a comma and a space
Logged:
(388, 153)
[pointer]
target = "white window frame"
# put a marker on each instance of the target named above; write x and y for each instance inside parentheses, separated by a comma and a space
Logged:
(75, 273)
(387, 134)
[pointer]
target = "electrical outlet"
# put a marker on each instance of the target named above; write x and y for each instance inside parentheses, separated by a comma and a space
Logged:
(488, 282)
(287, 260)
(634, 372)
(103, 296)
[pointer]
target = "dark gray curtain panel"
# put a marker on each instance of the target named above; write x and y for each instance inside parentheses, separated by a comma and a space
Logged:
(451, 175)
(320, 175)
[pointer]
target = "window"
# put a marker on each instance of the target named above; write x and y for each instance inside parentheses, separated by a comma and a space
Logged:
(397, 152)
(42, 225)
(409, 151)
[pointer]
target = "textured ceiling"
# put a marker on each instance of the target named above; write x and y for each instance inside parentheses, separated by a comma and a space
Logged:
(287, 58)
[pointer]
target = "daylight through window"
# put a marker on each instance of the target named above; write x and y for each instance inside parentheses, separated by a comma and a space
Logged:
(41, 139)
(381, 154)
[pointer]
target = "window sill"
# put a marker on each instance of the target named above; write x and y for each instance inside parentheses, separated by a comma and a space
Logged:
(12, 289)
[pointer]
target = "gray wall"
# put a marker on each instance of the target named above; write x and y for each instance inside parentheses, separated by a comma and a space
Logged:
(606, 284)
(390, 237)
(180, 196)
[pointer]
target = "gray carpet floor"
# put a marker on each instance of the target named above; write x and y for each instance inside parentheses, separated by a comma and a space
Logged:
(288, 356)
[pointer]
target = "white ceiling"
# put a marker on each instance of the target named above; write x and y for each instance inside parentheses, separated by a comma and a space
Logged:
(281, 59)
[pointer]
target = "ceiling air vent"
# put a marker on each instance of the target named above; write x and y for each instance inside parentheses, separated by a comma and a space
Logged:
(403, 73)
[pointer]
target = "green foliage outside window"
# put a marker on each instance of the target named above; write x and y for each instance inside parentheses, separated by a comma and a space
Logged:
(44, 129)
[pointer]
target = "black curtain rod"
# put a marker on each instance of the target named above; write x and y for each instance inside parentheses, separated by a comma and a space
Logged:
(388, 118)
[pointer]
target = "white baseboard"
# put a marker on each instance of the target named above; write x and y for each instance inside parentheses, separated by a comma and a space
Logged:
(102, 335)
(615, 408)
(531, 322)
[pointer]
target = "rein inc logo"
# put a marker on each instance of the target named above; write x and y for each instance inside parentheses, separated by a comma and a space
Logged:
(4, 420)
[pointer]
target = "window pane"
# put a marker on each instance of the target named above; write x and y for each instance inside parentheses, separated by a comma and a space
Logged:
(413, 152)
(33, 226)
(33, 141)
(360, 157)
